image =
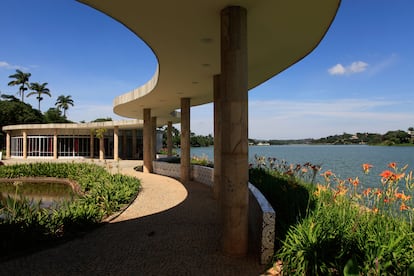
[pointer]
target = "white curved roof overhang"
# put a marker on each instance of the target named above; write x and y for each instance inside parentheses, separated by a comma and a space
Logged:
(185, 37)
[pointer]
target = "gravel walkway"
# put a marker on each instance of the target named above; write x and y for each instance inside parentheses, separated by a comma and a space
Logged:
(170, 229)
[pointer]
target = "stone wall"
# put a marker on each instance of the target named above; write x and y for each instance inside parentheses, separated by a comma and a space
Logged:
(262, 217)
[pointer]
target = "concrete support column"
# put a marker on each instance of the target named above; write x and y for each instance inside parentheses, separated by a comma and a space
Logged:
(91, 144)
(55, 144)
(217, 136)
(8, 145)
(124, 144)
(101, 148)
(100, 133)
(24, 144)
(234, 196)
(153, 137)
(185, 140)
(134, 144)
(169, 139)
(116, 143)
(146, 140)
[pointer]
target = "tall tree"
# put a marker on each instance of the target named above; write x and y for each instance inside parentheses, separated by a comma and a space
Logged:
(39, 89)
(21, 79)
(15, 112)
(63, 102)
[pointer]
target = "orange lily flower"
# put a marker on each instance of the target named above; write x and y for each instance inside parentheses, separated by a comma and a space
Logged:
(386, 174)
(378, 193)
(367, 191)
(392, 165)
(366, 168)
(399, 195)
(327, 174)
(404, 207)
(354, 182)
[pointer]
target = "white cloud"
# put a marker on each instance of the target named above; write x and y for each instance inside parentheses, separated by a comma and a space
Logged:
(6, 65)
(337, 70)
(353, 68)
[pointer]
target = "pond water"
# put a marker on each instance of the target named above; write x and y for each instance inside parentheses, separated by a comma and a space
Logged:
(50, 194)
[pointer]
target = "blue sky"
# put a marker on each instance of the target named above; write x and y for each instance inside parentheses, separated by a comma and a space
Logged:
(360, 77)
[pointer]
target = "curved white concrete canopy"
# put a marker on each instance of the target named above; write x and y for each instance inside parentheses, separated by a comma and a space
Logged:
(185, 37)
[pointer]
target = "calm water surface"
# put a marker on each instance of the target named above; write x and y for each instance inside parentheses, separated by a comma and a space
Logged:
(50, 194)
(344, 160)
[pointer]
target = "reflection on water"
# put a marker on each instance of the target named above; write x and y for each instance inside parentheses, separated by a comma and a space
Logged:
(50, 194)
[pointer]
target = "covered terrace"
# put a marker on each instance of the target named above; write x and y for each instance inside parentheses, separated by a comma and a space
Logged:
(216, 51)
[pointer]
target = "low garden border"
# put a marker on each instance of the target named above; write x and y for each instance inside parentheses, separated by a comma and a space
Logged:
(261, 214)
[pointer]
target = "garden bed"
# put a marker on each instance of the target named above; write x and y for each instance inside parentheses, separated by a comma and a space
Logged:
(25, 225)
(336, 228)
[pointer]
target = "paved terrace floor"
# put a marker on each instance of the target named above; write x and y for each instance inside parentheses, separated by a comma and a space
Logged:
(170, 229)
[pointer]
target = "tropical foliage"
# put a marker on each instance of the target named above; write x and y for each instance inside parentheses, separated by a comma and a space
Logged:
(338, 227)
(21, 79)
(24, 224)
(63, 103)
(39, 90)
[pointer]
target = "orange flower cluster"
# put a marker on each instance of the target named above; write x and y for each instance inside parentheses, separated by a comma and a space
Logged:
(354, 182)
(402, 196)
(388, 175)
(386, 199)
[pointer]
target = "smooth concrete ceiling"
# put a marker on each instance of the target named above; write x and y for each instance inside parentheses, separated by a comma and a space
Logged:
(185, 38)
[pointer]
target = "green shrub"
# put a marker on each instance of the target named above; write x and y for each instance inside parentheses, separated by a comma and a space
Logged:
(289, 198)
(337, 232)
(24, 223)
(342, 230)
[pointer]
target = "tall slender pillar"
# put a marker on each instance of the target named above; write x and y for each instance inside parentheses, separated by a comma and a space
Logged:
(217, 136)
(146, 140)
(169, 139)
(116, 143)
(234, 195)
(24, 144)
(101, 148)
(8, 145)
(124, 144)
(91, 144)
(55, 144)
(153, 137)
(134, 144)
(185, 140)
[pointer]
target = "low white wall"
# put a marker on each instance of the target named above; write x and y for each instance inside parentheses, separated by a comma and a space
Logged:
(262, 217)
(202, 174)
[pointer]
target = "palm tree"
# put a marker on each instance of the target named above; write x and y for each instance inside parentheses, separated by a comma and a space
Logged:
(63, 102)
(39, 89)
(21, 79)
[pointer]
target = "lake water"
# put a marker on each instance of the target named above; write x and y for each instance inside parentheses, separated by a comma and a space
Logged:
(344, 160)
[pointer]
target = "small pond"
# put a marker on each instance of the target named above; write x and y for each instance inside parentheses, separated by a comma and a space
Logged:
(50, 194)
